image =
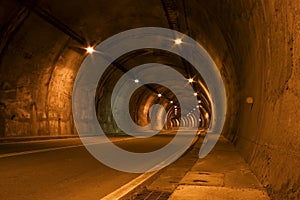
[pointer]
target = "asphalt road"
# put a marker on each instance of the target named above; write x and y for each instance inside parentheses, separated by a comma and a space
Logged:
(60, 174)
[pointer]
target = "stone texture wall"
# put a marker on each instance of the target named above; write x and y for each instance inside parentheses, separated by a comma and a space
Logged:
(35, 77)
(263, 37)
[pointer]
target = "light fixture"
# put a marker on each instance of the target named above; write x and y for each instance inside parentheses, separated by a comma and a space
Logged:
(171, 102)
(199, 101)
(90, 50)
(178, 41)
(136, 80)
(159, 95)
(197, 106)
(206, 115)
(191, 80)
(195, 94)
(249, 100)
(175, 106)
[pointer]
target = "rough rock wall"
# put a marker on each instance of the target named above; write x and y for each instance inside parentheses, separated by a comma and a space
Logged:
(35, 77)
(263, 37)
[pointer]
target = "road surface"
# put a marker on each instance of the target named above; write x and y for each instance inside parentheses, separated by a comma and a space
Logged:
(63, 169)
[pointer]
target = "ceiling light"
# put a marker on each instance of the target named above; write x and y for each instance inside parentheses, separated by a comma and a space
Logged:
(159, 95)
(206, 115)
(90, 50)
(171, 102)
(136, 81)
(195, 94)
(190, 80)
(178, 41)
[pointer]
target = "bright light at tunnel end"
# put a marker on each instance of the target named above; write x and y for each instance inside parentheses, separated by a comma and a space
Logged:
(84, 90)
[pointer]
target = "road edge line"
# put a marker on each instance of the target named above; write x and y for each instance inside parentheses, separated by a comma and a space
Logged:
(127, 188)
(135, 183)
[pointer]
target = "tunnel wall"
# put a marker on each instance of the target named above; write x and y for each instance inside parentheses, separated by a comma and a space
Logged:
(269, 131)
(255, 44)
(38, 62)
(35, 78)
(263, 40)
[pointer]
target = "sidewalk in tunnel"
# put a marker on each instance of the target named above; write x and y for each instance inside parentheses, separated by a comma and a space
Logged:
(221, 175)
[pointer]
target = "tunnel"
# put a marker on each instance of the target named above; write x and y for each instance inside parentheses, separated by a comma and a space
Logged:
(254, 45)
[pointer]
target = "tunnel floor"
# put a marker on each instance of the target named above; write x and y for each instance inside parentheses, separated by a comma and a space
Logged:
(66, 167)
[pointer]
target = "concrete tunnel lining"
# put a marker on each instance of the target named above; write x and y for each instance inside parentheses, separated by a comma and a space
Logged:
(254, 43)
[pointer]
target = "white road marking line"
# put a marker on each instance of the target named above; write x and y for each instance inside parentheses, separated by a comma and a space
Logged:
(51, 149)
(37, 151)
(39, 141)
(125, 189)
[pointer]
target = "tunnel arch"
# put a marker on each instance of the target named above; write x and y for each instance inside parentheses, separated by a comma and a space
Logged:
(254, 44)
(125, 63)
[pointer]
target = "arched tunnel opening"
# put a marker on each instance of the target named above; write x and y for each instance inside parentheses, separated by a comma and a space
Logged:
(254, 44)
(148, 95)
